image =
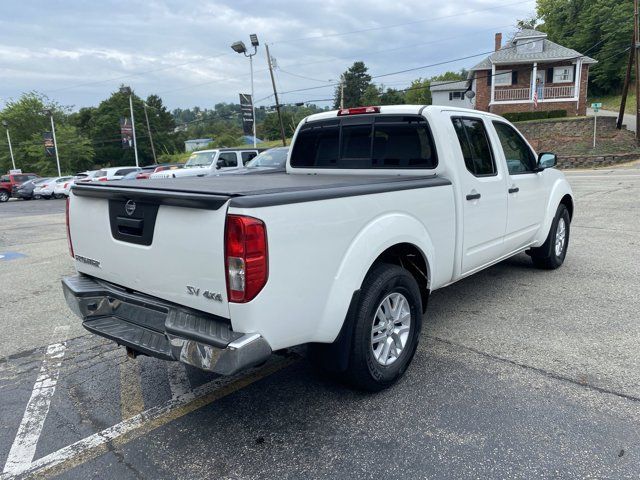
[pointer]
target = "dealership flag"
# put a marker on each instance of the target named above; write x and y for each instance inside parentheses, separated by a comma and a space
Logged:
(246, 108)
(49, 147)
(126, 131)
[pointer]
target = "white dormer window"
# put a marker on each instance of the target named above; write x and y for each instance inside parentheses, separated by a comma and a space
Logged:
(562, 74)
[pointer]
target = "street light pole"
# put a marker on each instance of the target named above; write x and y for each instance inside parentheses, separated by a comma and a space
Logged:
(13, 161)
(55, 141)
(253, 98)
(239, 47)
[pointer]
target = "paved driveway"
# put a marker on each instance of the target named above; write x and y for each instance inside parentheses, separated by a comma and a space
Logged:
(629, 119)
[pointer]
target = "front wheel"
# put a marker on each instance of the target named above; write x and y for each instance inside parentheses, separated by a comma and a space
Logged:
(387, 322)
(4, 196)
(550, 255)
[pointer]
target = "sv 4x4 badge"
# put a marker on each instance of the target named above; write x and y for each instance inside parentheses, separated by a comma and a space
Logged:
(206, 294)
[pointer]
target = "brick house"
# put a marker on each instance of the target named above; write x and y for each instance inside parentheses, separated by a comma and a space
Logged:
(530, 66)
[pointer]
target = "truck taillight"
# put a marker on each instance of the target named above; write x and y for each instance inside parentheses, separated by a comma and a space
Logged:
(69, 230)
(246, 257)
(358, 111)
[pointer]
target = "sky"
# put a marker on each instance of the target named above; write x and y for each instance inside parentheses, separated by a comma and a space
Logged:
(79, 52)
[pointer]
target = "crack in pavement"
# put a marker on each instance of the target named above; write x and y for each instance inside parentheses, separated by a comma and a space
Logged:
(546, 373)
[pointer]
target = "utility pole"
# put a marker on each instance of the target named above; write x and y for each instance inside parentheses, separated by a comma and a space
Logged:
(627, 81)
(636, 30)
(275, 94)
(55, 141)
(128, 90)
(13, 161)
(153, 149)
(341, 92)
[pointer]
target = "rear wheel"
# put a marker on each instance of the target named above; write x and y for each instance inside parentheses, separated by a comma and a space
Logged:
(4, 196)
(387, 324)
(550, 255)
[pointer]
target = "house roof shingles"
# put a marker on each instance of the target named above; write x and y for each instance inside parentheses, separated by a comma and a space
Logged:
(550, 52)
(448, 86)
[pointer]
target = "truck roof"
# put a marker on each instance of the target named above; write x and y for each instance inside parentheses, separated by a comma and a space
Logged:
(402, 110)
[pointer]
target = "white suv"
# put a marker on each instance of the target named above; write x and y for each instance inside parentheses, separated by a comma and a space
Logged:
(205, 162)
(113, 173)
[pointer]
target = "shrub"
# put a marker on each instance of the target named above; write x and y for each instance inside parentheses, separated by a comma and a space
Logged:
(537, 115)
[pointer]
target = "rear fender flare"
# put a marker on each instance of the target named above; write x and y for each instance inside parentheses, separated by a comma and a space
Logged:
(371, 241)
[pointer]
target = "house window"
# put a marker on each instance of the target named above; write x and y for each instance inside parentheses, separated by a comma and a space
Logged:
(503, 77)
(456, 96)
(562, 74)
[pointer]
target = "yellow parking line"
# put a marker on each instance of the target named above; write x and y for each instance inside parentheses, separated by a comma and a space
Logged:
(131, 401)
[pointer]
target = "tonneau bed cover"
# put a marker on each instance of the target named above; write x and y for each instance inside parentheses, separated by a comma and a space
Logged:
(254, 190)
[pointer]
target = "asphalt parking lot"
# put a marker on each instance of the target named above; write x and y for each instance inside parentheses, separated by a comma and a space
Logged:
(520, 373)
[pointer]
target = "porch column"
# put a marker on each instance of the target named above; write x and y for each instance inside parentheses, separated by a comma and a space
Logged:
(576, 88)
(493, 83)
(534, 73)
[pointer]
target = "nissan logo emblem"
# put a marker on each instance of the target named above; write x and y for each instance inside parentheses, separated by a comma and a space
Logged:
(130, 207)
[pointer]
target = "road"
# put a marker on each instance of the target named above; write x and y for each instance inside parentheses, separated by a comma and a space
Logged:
(520, 373)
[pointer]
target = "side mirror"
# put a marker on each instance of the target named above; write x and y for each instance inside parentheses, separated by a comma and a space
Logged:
(546, 160)
(219, 164)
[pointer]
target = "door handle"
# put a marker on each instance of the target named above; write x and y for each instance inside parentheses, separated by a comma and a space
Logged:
(473, 196)
(514, 190)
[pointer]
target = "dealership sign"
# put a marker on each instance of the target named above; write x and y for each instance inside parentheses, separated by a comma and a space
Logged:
(246, 109)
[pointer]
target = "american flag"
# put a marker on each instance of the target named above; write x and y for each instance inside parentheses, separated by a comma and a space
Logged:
(535, 98)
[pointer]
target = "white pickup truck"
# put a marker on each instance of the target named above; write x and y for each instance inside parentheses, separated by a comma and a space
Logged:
(379, 207)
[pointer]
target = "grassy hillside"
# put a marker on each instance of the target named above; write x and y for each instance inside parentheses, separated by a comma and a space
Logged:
(613, 102)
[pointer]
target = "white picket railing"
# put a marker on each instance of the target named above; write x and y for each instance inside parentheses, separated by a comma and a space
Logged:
(558, 91)
(510, 94)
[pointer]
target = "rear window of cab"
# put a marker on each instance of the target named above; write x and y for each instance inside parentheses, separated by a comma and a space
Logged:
(366, 141)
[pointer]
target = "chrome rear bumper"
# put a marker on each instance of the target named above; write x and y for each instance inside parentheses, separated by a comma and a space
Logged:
(163, 330)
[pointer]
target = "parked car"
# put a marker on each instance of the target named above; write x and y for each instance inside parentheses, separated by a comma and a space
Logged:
(205, 162)
(113, 173)
(10, 182)
(273, 160)
(378, 208)
(62, 189)
(87, 176)
(144, 175)
(46, 189)
(25, 190)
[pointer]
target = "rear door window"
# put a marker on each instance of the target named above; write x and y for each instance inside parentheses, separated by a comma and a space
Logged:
(247, 156)
(475, 146)
(124, 171)
(384, 141)
(228, 159)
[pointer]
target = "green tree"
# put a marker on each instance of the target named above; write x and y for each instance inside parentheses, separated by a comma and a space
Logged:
(601, 29)
(419, 92)
(371, 96)
(355, 80)
(27, 122)
(392, 97)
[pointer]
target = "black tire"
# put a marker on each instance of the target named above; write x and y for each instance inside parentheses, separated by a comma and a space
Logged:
(4, 196)
(364, 371)
(545, 256)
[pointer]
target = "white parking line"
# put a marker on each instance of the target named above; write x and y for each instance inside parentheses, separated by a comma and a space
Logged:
(178, 380)
(147, 421)
(26, 441)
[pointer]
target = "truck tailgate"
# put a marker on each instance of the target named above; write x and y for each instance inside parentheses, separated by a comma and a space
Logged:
(162, 244)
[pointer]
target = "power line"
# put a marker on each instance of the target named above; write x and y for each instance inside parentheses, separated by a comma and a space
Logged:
(413, 22)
